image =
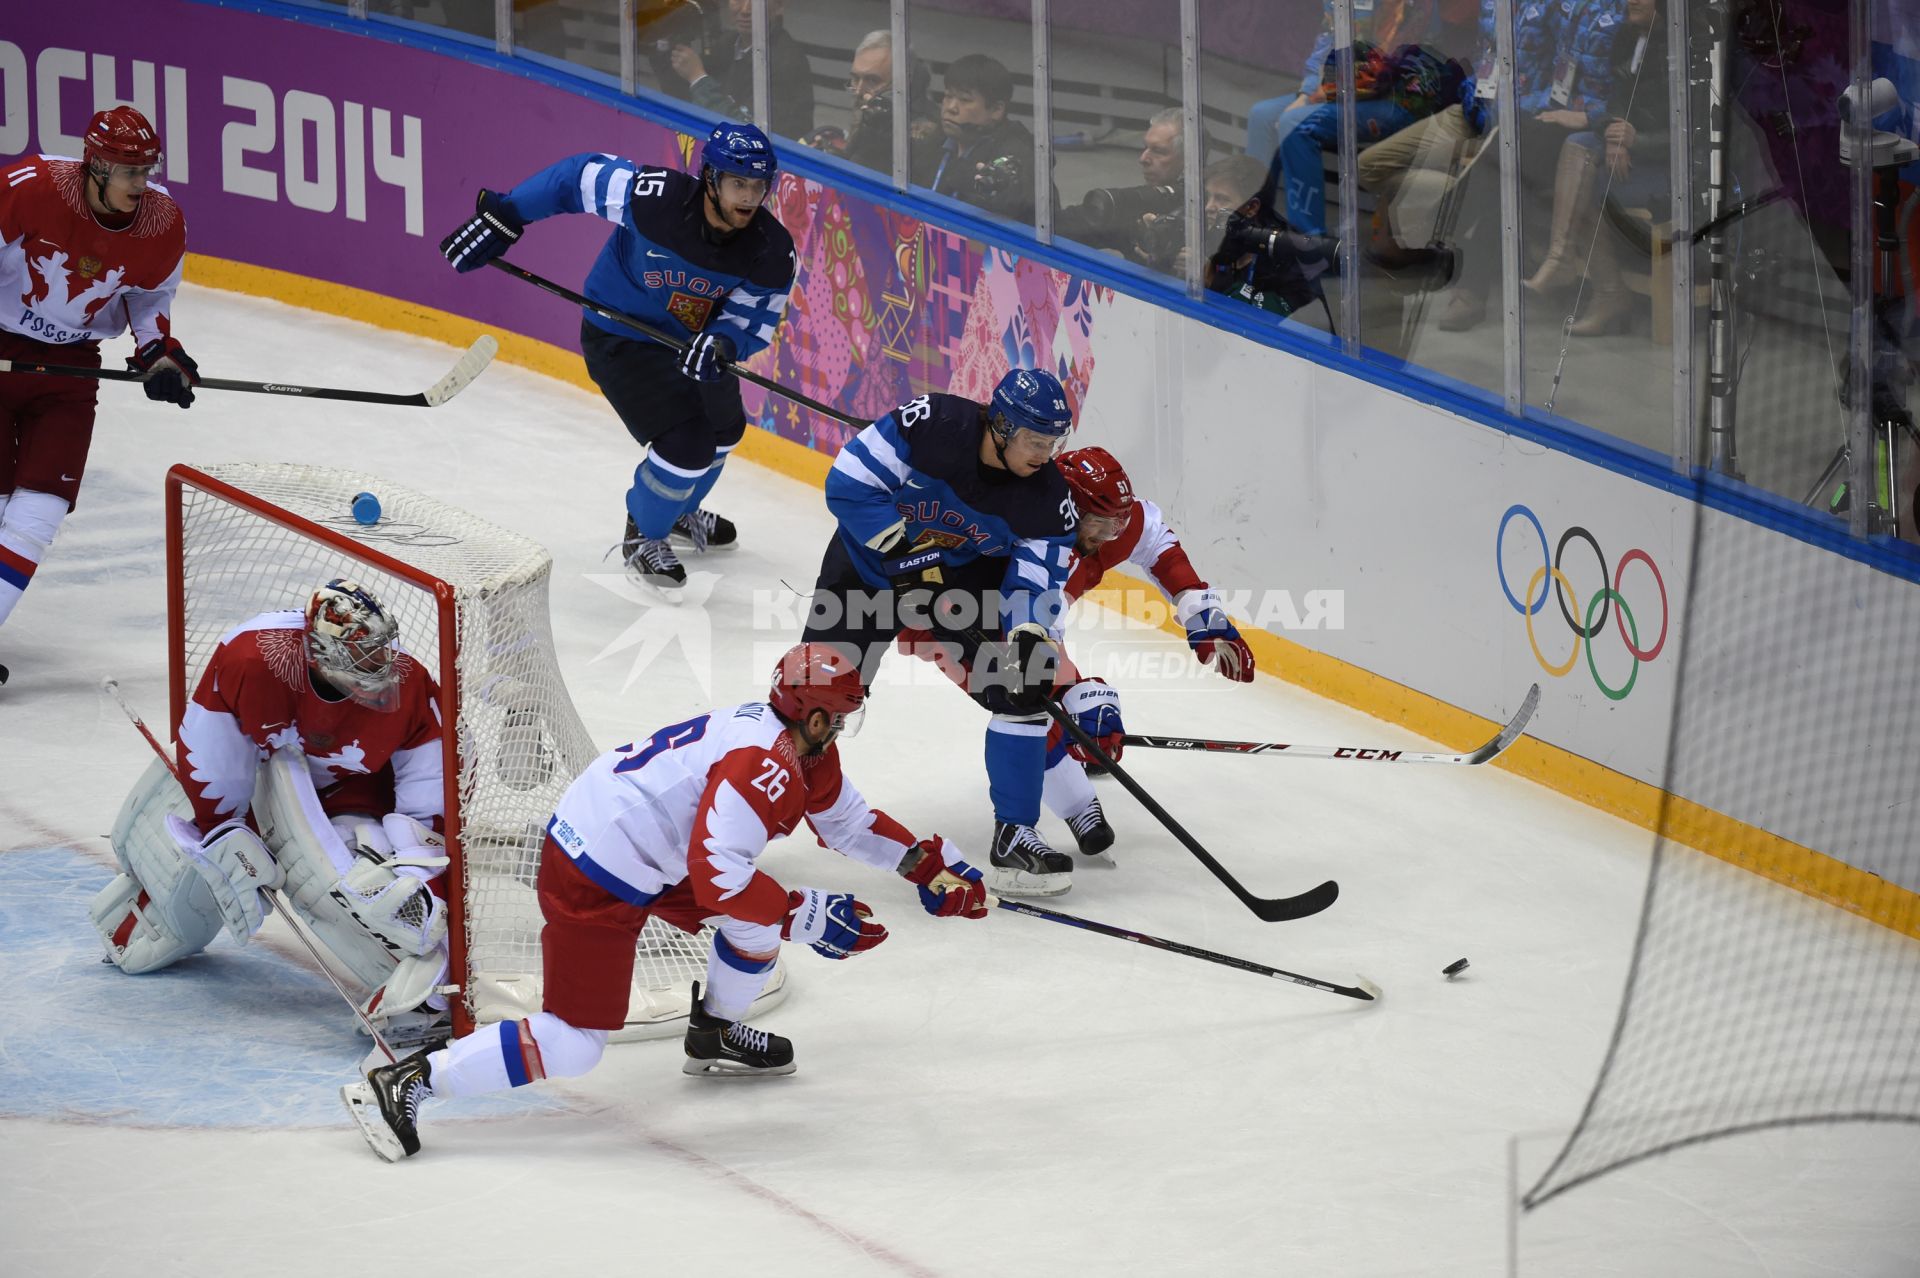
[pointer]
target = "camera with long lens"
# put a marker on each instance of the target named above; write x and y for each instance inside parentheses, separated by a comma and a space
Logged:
(1112, 208)
(1160, 237)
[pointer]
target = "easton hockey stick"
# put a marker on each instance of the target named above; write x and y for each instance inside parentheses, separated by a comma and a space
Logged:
(1493, 749)
(469, 366)
(672, 342)
(1363, 988)
(111, 687)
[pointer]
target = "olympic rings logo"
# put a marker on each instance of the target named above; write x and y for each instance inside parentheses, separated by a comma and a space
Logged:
(1607, 599)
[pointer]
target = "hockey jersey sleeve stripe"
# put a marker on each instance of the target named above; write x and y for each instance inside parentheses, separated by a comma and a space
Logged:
(572, 185)
(750, 317)
(876, 447)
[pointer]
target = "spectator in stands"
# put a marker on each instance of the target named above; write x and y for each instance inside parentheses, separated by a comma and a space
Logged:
(718, 73)
(1621, 159)
(1142, 223)
(1256, 257)
(1392, 89)
(1414, 172)
(869, 138)
(986, 158)
(1554, 107)
(1387, 23)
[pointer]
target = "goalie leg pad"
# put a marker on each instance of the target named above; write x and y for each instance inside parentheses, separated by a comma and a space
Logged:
(314, 857)
(139, 931)
(408, 1010)
(236, 868)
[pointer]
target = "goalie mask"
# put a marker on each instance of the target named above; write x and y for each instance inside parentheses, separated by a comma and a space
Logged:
(350, 641)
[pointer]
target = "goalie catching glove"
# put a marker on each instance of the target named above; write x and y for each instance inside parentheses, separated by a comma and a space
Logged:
(948, 885)
(833, 923)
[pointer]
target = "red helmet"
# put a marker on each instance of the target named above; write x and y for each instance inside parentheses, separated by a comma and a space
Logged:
(1100, 486)
(121, 136)
(817, 676)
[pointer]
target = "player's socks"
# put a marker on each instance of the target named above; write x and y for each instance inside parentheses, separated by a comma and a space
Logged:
(1016, 758)
(719, 1048)
(733, 979)
(660, 492)
(19, 556)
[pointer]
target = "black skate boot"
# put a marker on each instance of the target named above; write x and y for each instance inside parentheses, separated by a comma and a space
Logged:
(703, 530)
(1021, 863)
(1090, 830)
(731, 1049)
(387, 1106)
(653, 562)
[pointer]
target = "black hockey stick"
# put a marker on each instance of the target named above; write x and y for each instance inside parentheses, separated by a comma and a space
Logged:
(469, 366)
(1271, 910)
(1363, 988)
(670, 341)
(1267, 909)
(1486, 753)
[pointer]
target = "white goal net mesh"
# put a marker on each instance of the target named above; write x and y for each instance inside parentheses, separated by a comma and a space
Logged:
(470, 599)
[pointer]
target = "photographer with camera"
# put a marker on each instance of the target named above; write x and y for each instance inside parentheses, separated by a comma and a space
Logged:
(1142, 223)
(986, 159)
(1258, 258)
(710, 65)
(869, 139)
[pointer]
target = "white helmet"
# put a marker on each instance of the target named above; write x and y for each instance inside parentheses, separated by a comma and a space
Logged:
(350, 641)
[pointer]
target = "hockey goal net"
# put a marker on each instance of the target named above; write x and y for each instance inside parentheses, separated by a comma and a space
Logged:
(470, 599)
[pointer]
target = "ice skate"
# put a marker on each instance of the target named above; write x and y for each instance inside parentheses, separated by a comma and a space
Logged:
(387, 1106)
(702, 530)
(731, 1049)
(1021, 863)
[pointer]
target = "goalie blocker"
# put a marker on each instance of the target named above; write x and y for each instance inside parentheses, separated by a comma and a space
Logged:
(359, 883)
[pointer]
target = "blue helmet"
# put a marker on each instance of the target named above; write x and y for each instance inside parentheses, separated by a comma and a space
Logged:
(1030, 399)
(739, 149)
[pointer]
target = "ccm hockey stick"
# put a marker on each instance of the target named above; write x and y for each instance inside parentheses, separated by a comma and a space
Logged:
(468, 367)
(1270, 910)
(1266, 909)
(1493, 749)
(1361, 989)
(670, 341)
(111, 687)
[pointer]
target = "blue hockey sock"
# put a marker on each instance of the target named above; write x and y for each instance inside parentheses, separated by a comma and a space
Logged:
(704, 485)
(1016, 762)
(659, 493)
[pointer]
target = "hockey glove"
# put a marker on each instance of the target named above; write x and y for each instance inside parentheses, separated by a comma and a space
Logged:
(707, 356)
(948, 885)
(833, 923)
(491, 231)
(1096, 708)
(1214, 640)
(1035, 660)
(171, 372)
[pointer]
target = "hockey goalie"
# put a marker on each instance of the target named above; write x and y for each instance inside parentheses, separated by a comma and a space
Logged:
(309, 763)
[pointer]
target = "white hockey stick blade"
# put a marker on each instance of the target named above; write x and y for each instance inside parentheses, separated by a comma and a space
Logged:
(1373, 991)
(1512, 732)
(470, 366)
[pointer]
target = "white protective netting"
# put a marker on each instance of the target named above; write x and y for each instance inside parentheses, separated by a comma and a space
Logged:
(515, 740)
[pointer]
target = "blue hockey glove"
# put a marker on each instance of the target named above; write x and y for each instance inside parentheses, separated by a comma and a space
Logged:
(1095, 706)
(948, 885)
(707, 356)
(1214, 640)
(491, 231)
(833, 923)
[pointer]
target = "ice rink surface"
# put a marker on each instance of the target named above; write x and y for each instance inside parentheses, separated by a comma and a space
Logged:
(1003, 1097)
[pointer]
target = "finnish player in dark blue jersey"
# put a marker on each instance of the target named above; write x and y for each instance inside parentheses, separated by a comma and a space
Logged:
(968, 490)
(700, 257)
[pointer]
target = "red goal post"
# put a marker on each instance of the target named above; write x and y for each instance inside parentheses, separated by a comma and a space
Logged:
(470, 599)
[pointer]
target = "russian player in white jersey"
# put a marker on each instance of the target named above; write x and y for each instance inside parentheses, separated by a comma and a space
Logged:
(672, 826)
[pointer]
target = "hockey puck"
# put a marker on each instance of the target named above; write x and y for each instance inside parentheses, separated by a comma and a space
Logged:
(366, 508)
(1454, 969)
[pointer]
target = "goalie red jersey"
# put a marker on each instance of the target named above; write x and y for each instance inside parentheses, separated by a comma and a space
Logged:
(257, 696)
(67, 278)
